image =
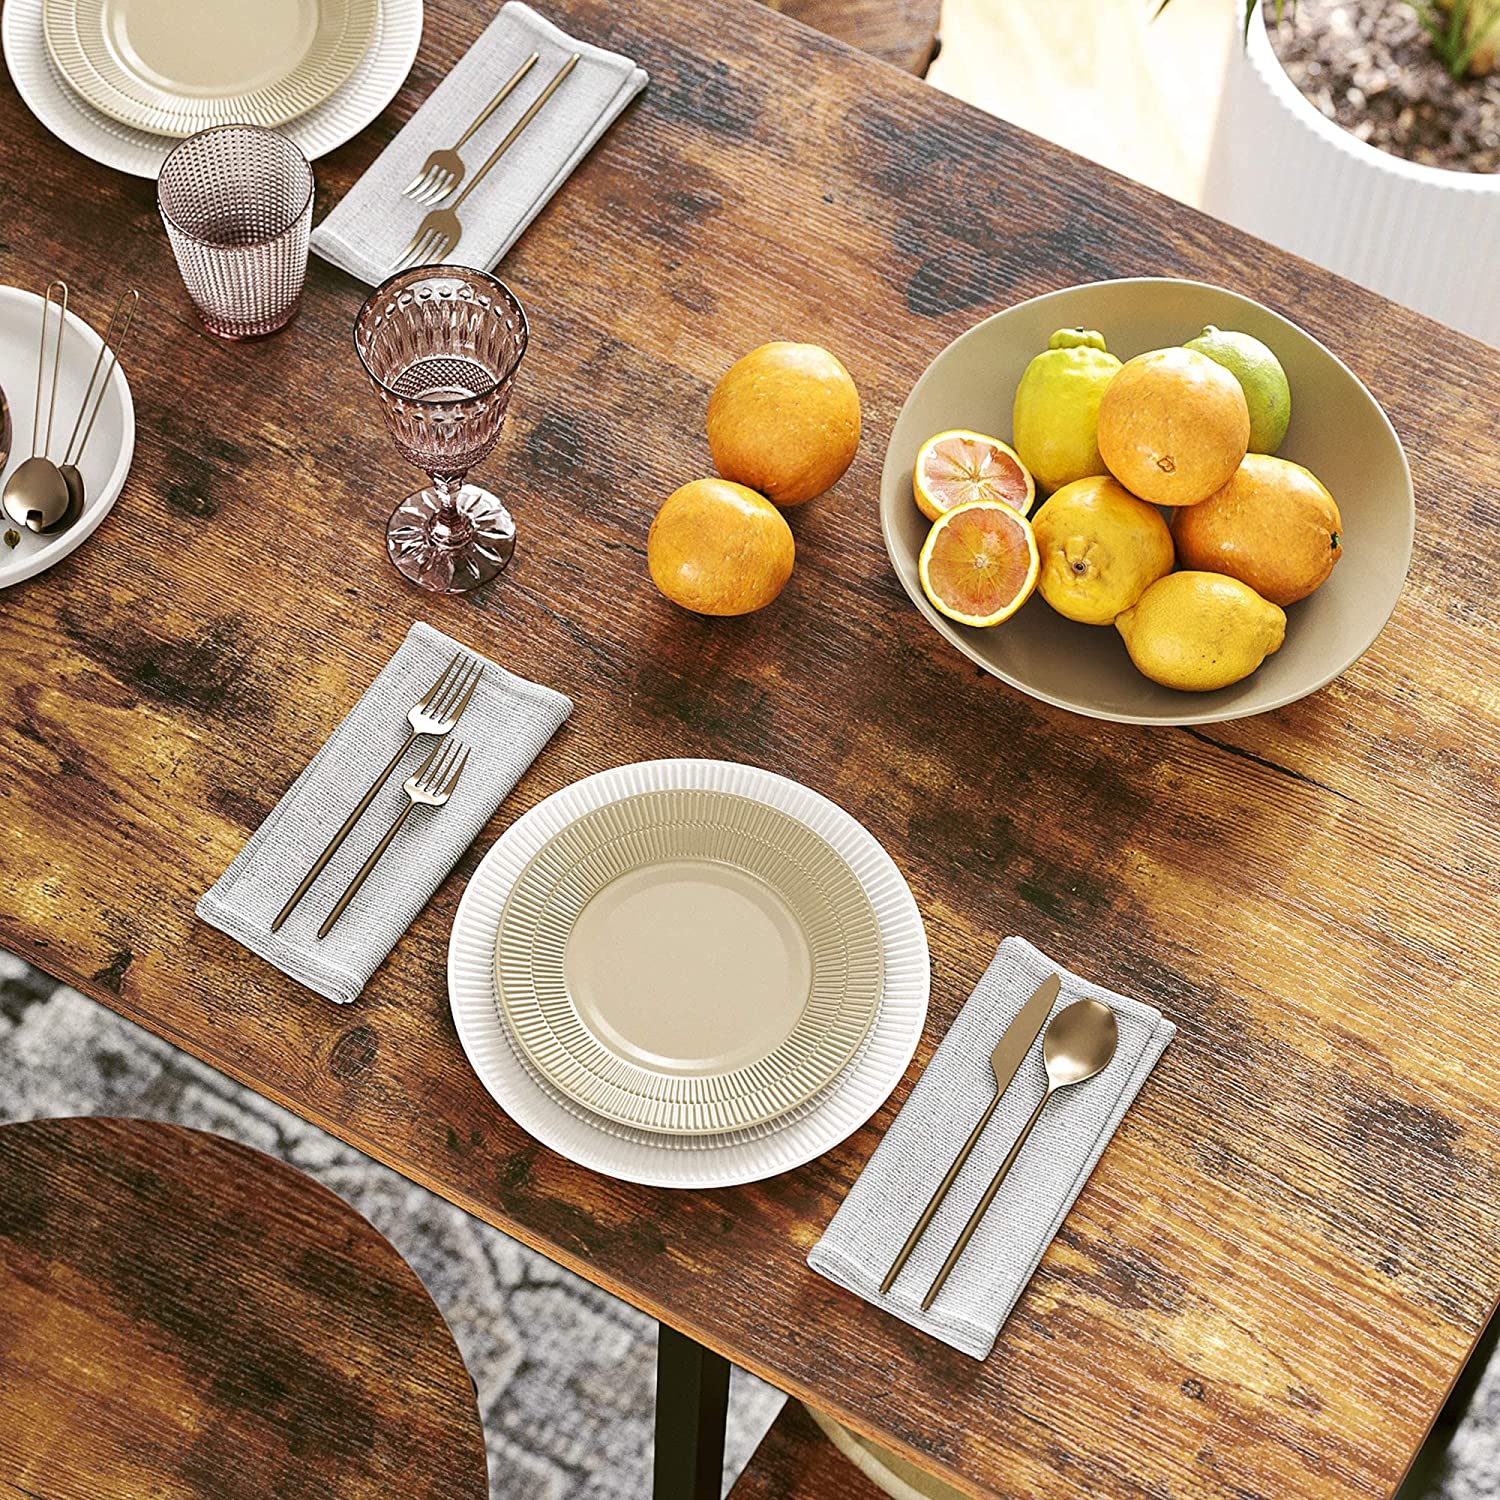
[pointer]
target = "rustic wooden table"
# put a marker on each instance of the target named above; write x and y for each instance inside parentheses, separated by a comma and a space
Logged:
(1288, 1249)
(181, 1315)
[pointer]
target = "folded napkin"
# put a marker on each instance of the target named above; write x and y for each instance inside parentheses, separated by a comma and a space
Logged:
(507, 722)
(867, 1232)
(368, 231)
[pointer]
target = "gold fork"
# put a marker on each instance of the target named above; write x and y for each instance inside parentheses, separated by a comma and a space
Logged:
(438, 234)
(444, 170)
(430, 785)
(436, 712)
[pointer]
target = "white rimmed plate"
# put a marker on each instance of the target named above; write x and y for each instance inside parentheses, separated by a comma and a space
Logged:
(111, 445)
(372, 86)
(180, 66)
(688, 961)
(808, 1130)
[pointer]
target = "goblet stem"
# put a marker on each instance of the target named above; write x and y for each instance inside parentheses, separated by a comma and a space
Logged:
(450, 526)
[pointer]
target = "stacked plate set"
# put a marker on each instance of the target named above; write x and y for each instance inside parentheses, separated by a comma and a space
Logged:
(123, 81)
(690, 973)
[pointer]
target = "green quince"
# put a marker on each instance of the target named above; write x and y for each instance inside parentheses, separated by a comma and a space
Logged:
(1055, 423)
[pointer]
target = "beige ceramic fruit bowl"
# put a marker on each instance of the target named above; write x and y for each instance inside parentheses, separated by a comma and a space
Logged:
(1338, 431)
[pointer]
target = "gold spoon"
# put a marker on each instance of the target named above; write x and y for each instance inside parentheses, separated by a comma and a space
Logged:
(36, 495)
(1079, 1044)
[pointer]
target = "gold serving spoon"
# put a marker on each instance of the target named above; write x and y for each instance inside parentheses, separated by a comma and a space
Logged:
(1079, 1044)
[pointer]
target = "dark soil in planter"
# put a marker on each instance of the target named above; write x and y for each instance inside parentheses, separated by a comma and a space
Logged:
(1369, 66)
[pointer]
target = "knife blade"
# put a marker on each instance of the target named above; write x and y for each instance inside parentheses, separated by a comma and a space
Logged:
(1007, 1057)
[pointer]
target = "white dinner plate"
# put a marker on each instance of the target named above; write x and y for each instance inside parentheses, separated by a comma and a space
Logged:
(688, 961)
(719, 1160)
(372, 86)
(111, 445)
(180, 66)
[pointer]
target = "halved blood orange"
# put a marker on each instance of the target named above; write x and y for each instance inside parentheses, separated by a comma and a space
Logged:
(979, 563)
(959, 467)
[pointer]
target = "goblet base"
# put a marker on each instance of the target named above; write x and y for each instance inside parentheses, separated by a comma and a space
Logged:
(450, 544)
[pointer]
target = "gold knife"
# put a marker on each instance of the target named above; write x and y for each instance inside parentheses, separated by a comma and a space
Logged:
(1005, 1059)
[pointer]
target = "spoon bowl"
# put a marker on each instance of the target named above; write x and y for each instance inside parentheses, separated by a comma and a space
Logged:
(1079, 1043)
(36, 495)
(74, 480)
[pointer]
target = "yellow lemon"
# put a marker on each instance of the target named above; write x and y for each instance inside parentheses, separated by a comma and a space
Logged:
(1200, 631)
(1101, 549)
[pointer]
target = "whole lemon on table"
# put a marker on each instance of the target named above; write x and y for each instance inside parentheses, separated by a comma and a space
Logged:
(1173, 426)
(1055, 418)
(1272, 526)
(719, 549)
(1259, 372)
(1101, 549)
(785, 421)
(1200, 631)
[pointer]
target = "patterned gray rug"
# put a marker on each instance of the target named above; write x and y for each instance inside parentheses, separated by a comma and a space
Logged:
(565, 1372)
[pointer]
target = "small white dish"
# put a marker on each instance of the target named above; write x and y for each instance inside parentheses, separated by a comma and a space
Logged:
(372, 86)
(722, 1160)
(106, 460)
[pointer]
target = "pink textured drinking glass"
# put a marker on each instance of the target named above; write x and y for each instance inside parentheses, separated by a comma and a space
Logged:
(442, 345)
(237, 202)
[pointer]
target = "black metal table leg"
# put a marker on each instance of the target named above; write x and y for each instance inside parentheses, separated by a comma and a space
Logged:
(692, 1400)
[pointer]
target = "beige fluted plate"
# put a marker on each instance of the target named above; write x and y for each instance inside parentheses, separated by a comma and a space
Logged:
(688, 961)
(175, 67)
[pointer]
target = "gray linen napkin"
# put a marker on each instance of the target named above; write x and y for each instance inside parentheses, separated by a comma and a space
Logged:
(368, 231)
(872, 1223)
(505, 726)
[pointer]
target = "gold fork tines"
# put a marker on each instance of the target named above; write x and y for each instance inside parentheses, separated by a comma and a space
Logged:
(430, 785)
(444, 170)
(438, 234)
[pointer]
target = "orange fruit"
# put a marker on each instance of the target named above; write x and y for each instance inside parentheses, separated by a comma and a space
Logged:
(1273, 526)
(719, 549)
(979, 563)
(785, 421)
(957, 467)
(1173, 426)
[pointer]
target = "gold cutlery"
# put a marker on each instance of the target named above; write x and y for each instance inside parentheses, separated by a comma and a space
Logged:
(438, 234)
(430, 785)
(114, 339)
(444, 170)
(1079, 1044)
(1006, 1058)
(435, 713)
(36, 496)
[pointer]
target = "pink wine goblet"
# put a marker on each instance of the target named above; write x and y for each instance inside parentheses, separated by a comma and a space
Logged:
(441, 345)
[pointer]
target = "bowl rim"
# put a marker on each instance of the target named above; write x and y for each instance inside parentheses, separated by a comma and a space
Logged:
(1187, 719)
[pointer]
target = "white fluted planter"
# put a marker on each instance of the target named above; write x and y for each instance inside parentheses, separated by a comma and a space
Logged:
(1421, 235)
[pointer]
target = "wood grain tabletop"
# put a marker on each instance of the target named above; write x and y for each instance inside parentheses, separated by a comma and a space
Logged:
(1289, 1247)
(183, 1316)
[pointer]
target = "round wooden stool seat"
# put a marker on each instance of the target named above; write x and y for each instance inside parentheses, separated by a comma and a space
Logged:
(182, 1316)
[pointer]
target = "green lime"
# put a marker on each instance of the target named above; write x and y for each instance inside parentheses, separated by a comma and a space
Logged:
(1259, 373)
